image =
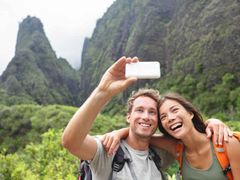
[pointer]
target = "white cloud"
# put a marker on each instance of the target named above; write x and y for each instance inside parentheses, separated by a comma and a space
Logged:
(66, 24)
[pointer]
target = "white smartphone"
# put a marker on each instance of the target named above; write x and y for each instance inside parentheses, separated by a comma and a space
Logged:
(143, 70)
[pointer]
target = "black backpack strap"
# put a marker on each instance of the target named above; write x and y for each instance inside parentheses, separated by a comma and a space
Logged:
(156, 159)
(227, 169)
(122, 155)
(118, 160)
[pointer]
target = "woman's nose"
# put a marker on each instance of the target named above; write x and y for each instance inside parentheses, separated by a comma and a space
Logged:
(171, 117)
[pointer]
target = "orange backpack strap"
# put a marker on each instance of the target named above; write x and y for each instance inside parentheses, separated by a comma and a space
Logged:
(236, 134)
(179, 152)
(221, 154)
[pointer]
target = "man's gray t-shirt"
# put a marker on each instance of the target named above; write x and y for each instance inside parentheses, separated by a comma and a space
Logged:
(143, 166)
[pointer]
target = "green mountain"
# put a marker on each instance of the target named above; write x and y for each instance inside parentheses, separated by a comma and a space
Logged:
(196, 42)
(191, 37)
(130, 28)
(35, 74)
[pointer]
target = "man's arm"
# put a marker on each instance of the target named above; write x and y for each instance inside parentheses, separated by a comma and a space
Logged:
(75, 137)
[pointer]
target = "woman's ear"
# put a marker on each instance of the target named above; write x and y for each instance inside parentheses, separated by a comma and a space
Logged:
(191, 114)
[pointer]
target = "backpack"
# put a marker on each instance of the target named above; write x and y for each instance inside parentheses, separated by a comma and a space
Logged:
(119, 159)
(220, 152)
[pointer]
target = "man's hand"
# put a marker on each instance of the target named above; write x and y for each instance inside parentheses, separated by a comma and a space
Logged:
(114, 80)
(219, 130)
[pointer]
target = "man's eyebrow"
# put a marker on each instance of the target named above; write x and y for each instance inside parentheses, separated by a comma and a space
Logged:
(138, 106)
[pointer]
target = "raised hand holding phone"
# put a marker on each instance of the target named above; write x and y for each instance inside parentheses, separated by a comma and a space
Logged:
(143, 70)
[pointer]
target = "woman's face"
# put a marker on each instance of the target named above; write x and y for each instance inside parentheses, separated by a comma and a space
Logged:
(175, 119)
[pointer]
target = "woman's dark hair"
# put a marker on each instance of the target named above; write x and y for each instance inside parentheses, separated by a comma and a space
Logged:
(197, 118)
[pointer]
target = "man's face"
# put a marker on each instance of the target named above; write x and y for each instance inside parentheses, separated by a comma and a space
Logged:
(143, 118)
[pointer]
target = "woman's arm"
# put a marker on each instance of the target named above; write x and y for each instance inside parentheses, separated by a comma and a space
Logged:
(233, 151)
(219, 130)
(165, 143)
(112, 139)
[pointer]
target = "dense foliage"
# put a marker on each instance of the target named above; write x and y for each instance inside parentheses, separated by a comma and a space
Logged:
(30, 141)
(22, 124)
(45, 160)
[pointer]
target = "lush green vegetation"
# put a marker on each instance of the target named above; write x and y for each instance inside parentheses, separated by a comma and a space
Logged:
(44, 160)
(30, 141)
(22, 124)
(30, 138)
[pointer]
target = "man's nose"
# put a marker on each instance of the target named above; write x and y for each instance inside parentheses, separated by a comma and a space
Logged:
(146, 115)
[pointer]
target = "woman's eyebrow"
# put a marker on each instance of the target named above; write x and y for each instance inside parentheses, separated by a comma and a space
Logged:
(173, 106)
(169, 108)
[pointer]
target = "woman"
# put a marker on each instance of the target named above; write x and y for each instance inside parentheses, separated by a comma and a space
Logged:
(179, 120)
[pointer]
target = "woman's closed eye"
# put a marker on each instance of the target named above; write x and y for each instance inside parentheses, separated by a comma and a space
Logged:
(175, 110)
(163, 117)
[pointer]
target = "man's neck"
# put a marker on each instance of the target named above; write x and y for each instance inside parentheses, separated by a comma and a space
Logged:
(138, 143)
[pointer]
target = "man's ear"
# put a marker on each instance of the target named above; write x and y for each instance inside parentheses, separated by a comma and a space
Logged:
(128, 117)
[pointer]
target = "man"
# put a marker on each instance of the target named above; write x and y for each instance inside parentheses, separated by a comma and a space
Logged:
(142, 117)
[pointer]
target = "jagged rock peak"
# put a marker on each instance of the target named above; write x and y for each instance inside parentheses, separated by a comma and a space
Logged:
(31, 36)
(31, 24)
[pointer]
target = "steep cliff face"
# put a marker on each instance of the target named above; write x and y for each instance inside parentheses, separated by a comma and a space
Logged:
(35, 72)
(200, 38)
(204, 40)
(129, 28)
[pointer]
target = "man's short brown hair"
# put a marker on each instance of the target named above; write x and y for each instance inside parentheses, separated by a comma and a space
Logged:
(151, 93)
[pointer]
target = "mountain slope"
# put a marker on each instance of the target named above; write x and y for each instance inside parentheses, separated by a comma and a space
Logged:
(130, 28)
(196, 42)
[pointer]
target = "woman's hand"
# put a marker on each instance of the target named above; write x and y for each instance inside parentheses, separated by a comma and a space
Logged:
(111, 140)
(219, 130)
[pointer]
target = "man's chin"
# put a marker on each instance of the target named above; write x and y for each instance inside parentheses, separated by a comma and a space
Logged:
(145, 135)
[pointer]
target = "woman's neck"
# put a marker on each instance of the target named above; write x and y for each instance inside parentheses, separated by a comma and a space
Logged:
(197, 148)
(195, 141)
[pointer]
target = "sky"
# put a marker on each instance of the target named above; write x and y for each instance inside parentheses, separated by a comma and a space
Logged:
(66, 23)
